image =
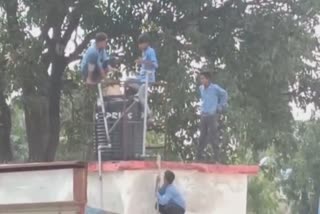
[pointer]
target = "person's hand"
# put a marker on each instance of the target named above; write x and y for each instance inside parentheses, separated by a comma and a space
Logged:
(139, 61)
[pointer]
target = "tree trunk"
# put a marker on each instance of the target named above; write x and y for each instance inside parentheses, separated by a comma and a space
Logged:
(58, 67)
(36, 110)
(5, 131)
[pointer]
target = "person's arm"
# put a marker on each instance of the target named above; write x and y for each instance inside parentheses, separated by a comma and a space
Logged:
(165, 198)
(223, 98)
(199, 92)
(105, 56)
(199, 98)
(91, 60)
(162, 190)
(102, 59)
(99, 63)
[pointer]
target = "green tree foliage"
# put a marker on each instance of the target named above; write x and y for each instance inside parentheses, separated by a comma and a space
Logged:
(18, 133)
(263, 196)
(302, 186)
(5, 114)
(259, 52)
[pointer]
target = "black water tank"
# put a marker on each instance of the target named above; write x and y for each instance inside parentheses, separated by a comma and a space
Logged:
(126, 137)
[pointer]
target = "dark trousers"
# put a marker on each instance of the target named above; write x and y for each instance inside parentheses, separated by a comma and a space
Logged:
(140, 89)
(208, 135)
(171, 209)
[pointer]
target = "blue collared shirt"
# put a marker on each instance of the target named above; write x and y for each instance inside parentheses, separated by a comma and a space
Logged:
(213, 98)
(170, 195)
(148, 55)
(94, 56)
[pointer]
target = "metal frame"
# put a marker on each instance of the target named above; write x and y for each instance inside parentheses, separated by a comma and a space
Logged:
(101, 148)
(104, 114)
(159, 174)
(122, 115)
(145, 119)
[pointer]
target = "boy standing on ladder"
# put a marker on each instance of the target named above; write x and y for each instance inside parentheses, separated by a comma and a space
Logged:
(149, 64)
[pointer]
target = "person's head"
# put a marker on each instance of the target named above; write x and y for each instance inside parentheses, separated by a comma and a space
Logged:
(101, 40)
(144, 41)
(168, 177)
(205, 78)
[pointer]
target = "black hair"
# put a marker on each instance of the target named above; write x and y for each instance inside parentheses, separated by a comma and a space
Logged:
(144, 38)
(206, 74)
(169, 176)
(100, 37)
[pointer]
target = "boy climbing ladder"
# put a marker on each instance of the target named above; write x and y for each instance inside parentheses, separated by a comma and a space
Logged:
(149, 64)
(94, 65)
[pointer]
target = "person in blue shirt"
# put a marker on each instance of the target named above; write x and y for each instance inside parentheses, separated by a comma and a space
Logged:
(148, 66)
(170, 200)
(94, 64)
(213, 102)
(148, 62)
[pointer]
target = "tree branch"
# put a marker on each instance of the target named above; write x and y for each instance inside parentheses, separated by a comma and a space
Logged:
(207, 11)
(11, 8)
(74, 21)
(44, 32)
(75, 55)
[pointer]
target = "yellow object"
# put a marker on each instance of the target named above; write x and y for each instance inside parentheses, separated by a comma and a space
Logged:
(112, 90)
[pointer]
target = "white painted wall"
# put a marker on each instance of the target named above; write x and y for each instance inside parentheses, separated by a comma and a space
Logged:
(36, 186)
(127, 192)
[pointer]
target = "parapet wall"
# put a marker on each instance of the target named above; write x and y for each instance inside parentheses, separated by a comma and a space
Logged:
(46, 188)
(126, 187)
(129, 187)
